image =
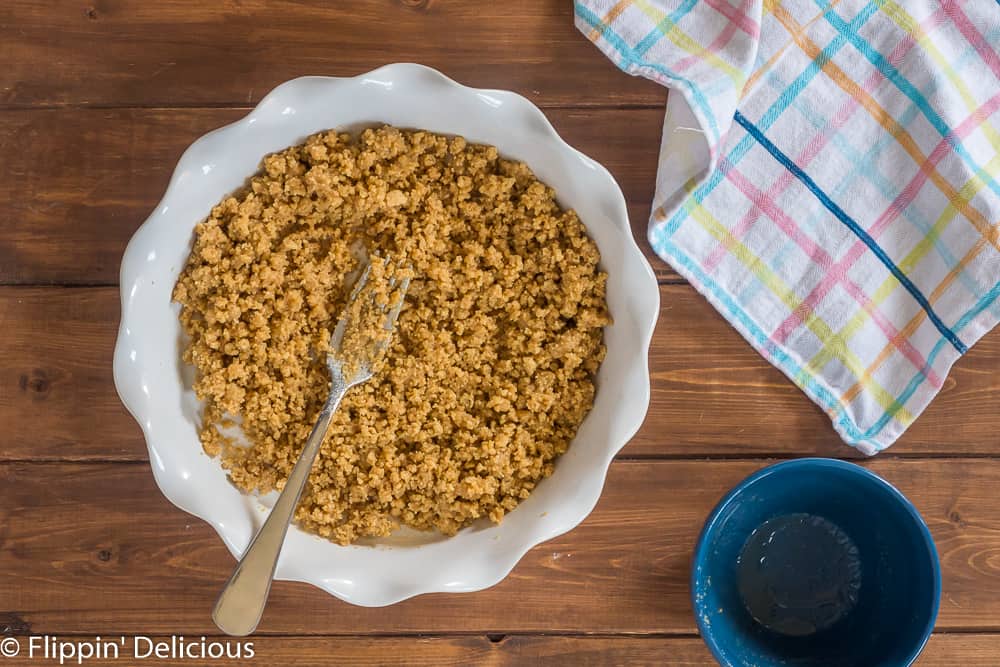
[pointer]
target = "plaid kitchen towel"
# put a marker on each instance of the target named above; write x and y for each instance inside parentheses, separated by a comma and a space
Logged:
(828, 179)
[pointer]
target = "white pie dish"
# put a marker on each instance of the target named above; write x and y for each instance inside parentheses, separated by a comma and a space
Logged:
(155, 386)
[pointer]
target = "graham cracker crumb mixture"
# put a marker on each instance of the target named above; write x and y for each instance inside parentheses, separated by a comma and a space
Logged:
(491, 367)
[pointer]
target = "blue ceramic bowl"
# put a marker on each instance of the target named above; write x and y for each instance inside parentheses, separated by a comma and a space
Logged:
(815, 563)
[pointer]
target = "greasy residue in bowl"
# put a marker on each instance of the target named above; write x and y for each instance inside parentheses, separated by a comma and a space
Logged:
(799, 574)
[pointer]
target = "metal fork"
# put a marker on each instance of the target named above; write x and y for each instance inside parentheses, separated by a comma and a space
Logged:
(241, 602)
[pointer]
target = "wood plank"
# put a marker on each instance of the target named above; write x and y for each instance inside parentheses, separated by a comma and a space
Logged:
(132, 52)
(943, 650)
(97, 549)
(712, 394)
(76, 183)
(57, 395)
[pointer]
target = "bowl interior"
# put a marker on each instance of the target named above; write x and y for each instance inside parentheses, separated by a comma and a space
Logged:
(844, 571)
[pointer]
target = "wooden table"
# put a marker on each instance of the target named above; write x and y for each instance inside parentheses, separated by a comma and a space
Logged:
(97, 100)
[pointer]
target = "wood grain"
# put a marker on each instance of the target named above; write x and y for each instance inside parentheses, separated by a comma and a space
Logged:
(969, 650)
(76, 183)
(57, 395)
(97, 549)
(712, 394)
(138, 53)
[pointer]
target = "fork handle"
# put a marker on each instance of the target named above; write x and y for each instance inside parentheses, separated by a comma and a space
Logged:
(242, 600)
